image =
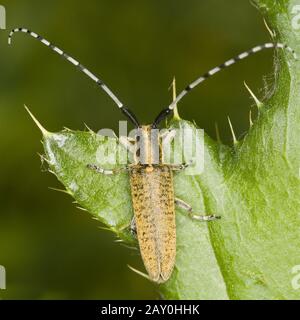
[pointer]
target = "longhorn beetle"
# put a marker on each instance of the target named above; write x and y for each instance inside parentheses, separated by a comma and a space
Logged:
(152, 191)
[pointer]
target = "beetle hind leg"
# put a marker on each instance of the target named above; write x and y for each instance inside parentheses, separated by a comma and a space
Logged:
(133, 230)
(185, 206)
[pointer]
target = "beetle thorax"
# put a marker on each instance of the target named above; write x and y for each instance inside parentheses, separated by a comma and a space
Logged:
(148, 146)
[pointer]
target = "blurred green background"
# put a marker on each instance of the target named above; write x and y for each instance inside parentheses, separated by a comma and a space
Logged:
(50, 249)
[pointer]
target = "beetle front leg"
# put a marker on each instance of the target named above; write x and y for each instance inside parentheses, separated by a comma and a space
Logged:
(185, 206)
(180, 167)
(100, 170)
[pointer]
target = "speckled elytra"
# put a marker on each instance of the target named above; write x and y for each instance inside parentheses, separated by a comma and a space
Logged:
(152, 191)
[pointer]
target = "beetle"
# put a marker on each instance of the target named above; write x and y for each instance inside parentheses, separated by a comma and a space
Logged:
(151, 182)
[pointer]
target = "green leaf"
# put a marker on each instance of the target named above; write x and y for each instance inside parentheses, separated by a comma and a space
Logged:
(251, 252)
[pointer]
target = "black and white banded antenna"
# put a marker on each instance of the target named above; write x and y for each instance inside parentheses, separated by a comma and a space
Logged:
(83, 69)
(164, 113)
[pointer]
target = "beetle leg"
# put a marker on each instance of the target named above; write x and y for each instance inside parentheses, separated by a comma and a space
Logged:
(180, 167)
(133, 227)
(106, 171)
(185, 206)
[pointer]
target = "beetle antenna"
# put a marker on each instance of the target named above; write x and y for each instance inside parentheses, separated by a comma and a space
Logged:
(215, 70)
(83, 69)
